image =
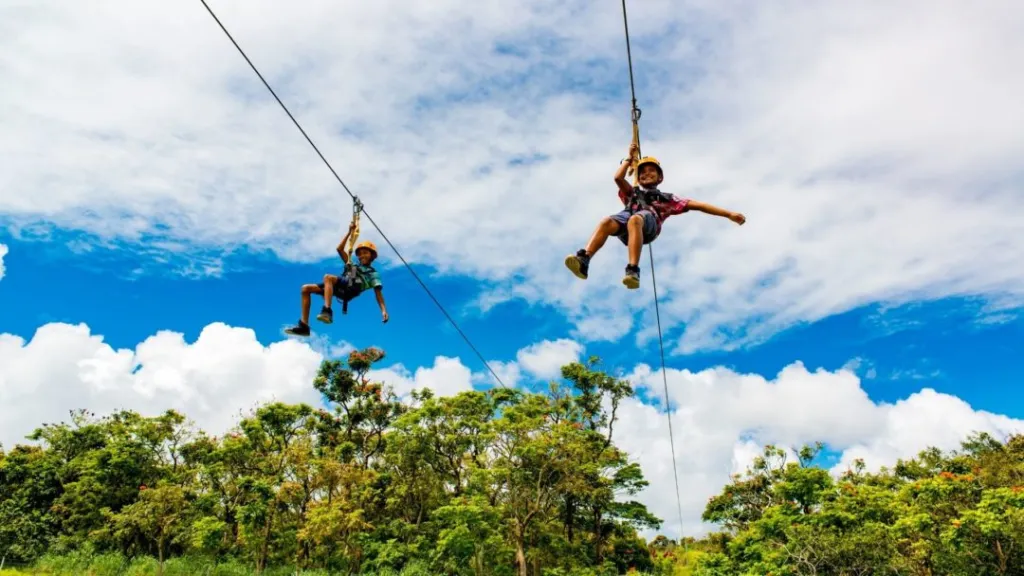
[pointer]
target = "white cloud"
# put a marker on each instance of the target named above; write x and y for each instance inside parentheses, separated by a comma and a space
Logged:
(926, 418)
(225, 372)
(327, 348)
(447, 377)
(3, 252)
(509, 373)
(837, 129)
(213, 380)
(721, 420)
(545, 359)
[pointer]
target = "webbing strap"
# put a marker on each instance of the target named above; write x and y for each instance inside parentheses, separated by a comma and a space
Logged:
(357, 207)
(634, 162)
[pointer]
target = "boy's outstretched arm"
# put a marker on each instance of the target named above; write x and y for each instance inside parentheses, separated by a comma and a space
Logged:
(716, 211)
(341, 245)
(379, 291)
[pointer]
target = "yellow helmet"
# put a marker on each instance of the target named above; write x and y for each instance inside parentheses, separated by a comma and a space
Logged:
(649, 160)
(368, 245)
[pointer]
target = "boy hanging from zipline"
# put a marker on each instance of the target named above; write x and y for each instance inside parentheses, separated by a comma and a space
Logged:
(639, 223)
(357, 277)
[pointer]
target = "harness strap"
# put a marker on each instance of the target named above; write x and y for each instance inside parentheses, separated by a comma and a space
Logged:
(352, 287)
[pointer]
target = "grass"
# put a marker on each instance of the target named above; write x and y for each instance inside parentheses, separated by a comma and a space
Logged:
(117, 565)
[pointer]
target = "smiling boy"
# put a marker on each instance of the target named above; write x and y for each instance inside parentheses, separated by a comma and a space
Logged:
(357, 278)
(645, 210)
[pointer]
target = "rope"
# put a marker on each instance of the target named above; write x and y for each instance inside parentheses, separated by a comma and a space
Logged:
(654, 282)
(355, 199)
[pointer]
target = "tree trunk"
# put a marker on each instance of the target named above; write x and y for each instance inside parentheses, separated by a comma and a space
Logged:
(570, 517)
(520, 559)
(520, 555)
(160, 556)
(261, 562)
(229, 519)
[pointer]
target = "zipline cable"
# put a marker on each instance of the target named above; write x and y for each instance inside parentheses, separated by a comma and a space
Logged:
(355, 199)
(657, 310)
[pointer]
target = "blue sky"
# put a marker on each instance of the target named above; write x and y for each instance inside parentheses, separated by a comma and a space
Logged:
(940, 344)
(161, 212)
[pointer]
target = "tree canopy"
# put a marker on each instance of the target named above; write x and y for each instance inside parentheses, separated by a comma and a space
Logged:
(496, 482)
(484, 482)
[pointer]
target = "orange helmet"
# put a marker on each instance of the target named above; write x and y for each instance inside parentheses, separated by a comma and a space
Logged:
(369, 246)
(649, 160)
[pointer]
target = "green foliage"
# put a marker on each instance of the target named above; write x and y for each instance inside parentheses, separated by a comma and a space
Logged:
(957, 514)
(495, 483)
(490, 483)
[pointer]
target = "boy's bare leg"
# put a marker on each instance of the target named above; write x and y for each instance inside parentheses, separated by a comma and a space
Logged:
(606, 228)
(326, 315)
(329, 280)
(635, 226)
(306, 300)
(302, 328)
(579, 263)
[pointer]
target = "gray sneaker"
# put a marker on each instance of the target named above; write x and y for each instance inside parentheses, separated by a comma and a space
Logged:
(632, 277)
(578, 264)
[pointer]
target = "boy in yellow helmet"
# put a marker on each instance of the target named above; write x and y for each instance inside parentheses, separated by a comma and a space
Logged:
(639, 223)
(358, 277)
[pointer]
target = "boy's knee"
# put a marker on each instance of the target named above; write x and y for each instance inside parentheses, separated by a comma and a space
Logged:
(635, 221)
(309, 288)
(330, 278)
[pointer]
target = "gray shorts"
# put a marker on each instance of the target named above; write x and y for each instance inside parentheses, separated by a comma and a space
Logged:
(650, 227)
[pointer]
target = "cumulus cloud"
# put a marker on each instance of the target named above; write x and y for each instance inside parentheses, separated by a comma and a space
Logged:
(722, 420)
(3, 252)
(837, 129)
(545, 359)
(225, 372)
(447, 377)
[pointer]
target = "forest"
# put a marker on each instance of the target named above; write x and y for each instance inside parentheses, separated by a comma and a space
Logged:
(496, 482)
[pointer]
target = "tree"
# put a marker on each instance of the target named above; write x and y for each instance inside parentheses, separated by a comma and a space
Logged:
(158, 516)
(480, 483)
(957, 514)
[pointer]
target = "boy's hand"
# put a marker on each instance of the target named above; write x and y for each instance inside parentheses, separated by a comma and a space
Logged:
(384, 316)
(634, 150)
(351, 227)
(737, 218)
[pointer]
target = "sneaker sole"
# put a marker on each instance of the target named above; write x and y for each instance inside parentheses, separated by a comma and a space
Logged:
(325, 318)
(573, 264)
(290, 333)
(631, 283)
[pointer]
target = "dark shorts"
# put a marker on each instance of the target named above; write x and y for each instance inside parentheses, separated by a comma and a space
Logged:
(650, 227)
(339, 285)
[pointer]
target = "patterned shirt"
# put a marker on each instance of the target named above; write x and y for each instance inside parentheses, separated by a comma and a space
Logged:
(661, 203)
(366, 275)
